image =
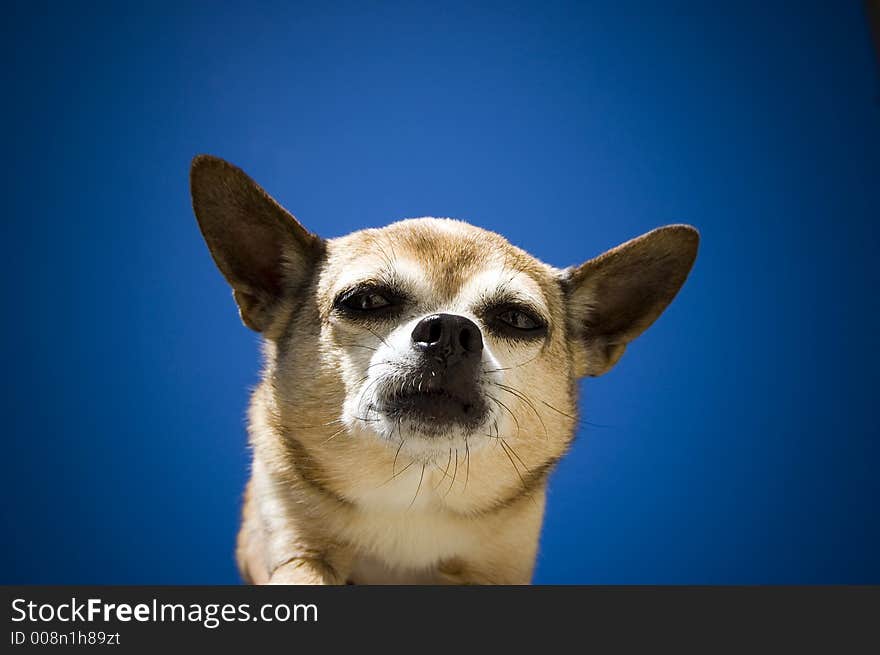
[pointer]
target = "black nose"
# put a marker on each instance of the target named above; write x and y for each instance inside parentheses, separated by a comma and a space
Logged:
(448, 337)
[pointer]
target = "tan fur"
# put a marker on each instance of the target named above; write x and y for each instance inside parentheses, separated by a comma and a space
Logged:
(337, 497)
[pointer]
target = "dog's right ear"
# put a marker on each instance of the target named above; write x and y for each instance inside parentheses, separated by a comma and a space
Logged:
(259, 247)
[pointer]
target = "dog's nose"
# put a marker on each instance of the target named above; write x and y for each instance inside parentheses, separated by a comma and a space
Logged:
(448, 337)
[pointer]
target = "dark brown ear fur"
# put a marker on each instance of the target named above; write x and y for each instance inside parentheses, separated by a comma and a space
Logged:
(258, 246)
(615, 297)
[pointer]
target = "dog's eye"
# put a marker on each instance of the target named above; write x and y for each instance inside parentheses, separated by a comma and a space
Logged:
(366, 300)
(520, 320)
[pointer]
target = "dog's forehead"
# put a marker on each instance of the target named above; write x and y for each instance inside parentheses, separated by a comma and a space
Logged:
(447, 257)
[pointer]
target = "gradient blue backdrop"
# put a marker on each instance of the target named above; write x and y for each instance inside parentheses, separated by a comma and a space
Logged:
(738, 438)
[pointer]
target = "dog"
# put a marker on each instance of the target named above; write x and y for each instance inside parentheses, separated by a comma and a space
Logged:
(419, 384)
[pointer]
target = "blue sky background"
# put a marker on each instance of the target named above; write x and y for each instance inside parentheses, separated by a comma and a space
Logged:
(738, 439)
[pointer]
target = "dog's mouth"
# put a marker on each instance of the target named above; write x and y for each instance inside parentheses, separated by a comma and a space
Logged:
(434, 410)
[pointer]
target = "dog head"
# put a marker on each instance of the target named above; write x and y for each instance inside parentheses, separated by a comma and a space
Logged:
(427, 337)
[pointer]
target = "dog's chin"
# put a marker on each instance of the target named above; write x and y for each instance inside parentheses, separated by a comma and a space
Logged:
(434, 414)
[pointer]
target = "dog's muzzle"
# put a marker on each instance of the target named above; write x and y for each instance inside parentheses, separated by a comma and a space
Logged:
(442, 387)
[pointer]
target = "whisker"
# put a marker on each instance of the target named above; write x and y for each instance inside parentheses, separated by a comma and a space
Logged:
(389, 261)
(312, 427)
(358, 345)
(580, 421)
(528, 470)
(365, 392)
(454, 473)
(369, 366)
(421, 477)
(445, 471)
(375, 334)
(467, 474)
(399, 473)
(335, 434)
(394, 463)
(505, 447)
(508, 411)
(523, 397)
(559, 411)
(519, 475)
(510, 368)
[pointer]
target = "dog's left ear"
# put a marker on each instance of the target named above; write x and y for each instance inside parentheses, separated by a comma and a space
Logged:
(615, 297)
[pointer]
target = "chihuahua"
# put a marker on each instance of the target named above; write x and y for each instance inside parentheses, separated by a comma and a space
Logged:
(419, 384)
